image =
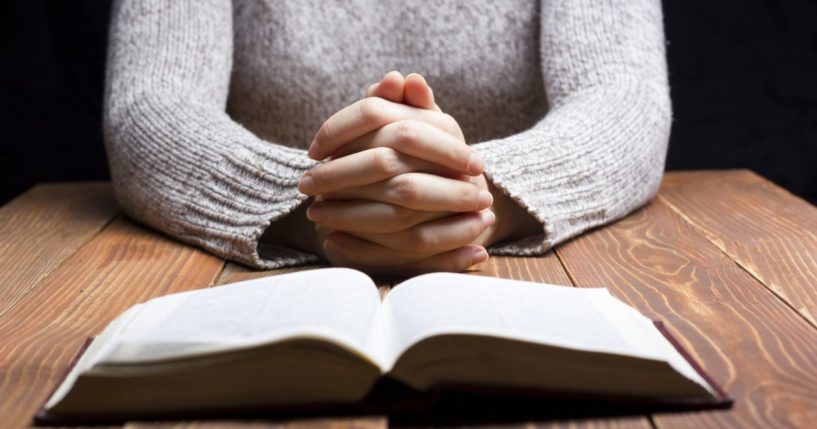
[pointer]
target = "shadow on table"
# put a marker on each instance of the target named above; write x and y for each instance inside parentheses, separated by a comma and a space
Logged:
(442, 407)
(461, 407)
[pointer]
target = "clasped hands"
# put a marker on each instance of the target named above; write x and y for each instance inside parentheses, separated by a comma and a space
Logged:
(401, 191)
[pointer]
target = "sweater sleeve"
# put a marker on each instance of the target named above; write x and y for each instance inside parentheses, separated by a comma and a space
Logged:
(599, 152)
(178, 162)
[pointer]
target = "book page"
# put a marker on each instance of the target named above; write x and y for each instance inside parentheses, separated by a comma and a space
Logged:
(562, 316)
(642, 334)
(98, 346)
(336, 304)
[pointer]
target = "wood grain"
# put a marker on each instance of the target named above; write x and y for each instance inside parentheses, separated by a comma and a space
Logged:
(724, 258)
(238, 273)
(119, 267)
(44, 226)
(768, 231)
(333, 423)
(617, 423)
(544, 269)
(755, 345)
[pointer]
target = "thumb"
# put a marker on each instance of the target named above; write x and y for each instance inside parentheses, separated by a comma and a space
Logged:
(418, 93)
(391, 87)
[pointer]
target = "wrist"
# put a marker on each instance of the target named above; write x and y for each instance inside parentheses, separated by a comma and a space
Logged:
(295, 231)
(512, 220)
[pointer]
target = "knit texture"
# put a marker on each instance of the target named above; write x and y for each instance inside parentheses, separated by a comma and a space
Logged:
(210, 106)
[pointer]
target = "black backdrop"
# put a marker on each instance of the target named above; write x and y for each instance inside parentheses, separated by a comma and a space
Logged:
(743, 76)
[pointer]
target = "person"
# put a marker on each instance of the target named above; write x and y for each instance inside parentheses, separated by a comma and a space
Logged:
(240, 127)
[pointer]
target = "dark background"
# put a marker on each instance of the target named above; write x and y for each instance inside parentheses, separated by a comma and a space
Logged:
(743, 76)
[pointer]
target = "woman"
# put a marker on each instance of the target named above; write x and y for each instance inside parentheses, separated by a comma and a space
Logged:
(545, 120)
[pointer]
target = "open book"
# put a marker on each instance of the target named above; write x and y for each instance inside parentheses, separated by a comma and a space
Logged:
(325, 337)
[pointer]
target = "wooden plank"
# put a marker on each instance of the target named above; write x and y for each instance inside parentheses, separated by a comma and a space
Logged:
(238, 273)
(771, 233)
(544, 269)
(376, 422)
(43, 227)
(333, 423)
(121, 266)
(756, 346)
(617, 423)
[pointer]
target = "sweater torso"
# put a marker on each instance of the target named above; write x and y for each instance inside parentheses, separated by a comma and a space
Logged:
(210, 104)
(297, 63)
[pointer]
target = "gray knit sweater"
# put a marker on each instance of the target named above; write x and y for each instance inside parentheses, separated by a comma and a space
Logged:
(210, 105)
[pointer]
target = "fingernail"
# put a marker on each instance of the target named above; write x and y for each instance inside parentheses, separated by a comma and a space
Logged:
(307, 184)
(479, 256)
(488, 217)
(329, 244)
(315, 212)
(485, 199)
(313, 148)
(475, 164)
(368, 89)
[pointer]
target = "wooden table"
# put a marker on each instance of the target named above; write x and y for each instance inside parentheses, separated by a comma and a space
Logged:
(727, 259)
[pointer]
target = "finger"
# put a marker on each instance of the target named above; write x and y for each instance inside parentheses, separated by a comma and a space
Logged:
(455, 261)
(391, 87)
(420, 191)
(368, 216)
(363, 168)
(367, 115)
(422, 141)
(346, 250)
(370, 90)
(436, 236)
(349, 251)
(418, 93)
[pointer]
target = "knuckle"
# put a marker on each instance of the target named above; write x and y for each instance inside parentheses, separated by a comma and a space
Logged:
(404, 217)
(404, 189)
(397, 219)
(386, 160)
(372, 109)
(451, 125)
(407, 131)
(422, 241)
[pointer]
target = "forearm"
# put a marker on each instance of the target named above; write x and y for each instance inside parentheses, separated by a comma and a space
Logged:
(599, 153)
(178, 162)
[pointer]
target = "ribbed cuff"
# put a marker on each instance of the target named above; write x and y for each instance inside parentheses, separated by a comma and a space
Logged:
(590, 161)
(557, 185)
(254, 185)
